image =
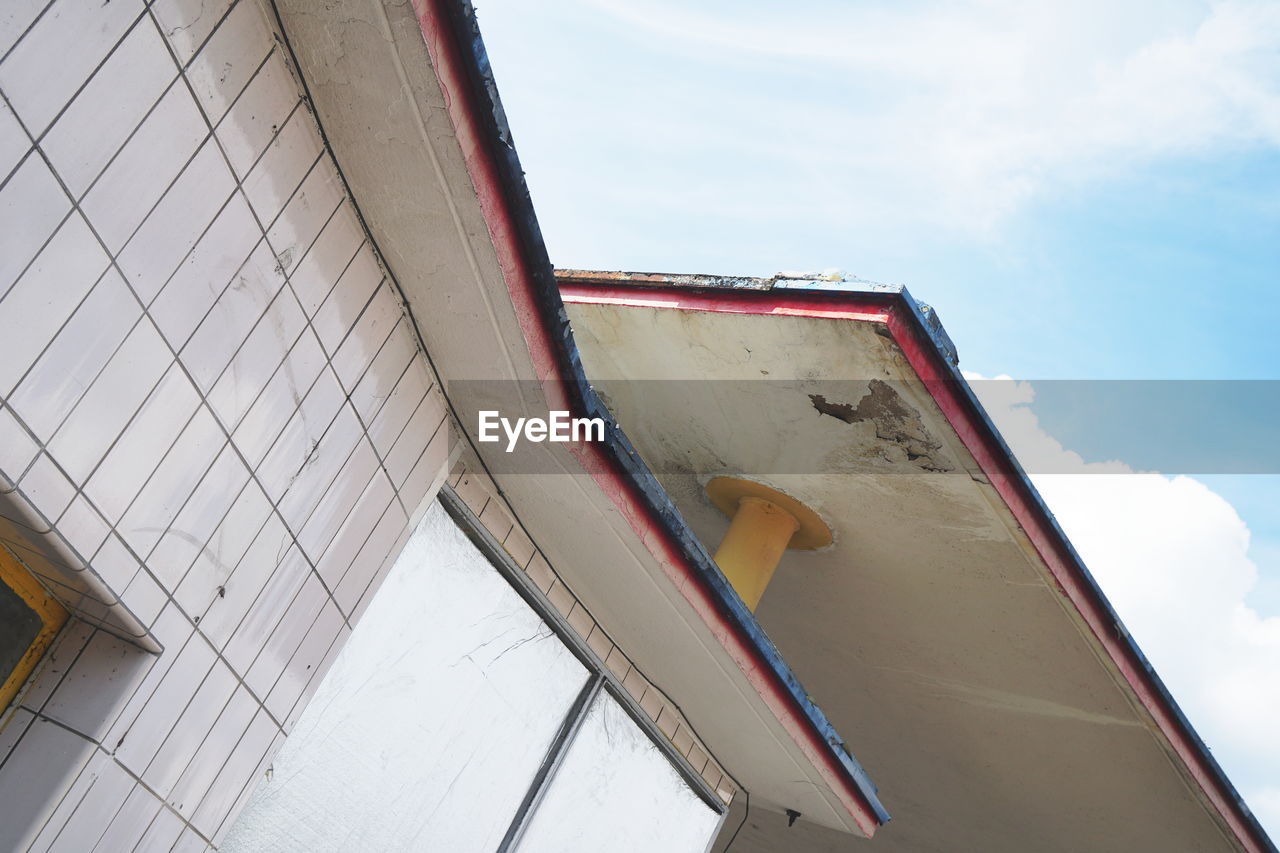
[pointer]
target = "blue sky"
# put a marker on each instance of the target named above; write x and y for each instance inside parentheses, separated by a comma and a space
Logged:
(1083, 190)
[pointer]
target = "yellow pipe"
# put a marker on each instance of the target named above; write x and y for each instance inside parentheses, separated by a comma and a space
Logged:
(750, 551)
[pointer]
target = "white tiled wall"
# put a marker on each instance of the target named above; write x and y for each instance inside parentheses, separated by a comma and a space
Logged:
(215, 423)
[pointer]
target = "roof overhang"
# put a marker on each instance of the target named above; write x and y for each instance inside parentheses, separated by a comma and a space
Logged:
(951, 631)
(406, 103)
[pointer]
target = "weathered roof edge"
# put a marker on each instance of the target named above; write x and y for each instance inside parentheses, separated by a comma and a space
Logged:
(930, 328)
(460, 16)
(781, 281)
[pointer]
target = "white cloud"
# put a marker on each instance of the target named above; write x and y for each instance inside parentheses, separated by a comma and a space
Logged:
(966, 112)
(1172, 556)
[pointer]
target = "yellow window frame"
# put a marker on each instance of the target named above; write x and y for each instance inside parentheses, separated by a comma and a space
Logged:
(52, 617)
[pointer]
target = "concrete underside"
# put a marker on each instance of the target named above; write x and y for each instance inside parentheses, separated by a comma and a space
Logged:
(930, 633)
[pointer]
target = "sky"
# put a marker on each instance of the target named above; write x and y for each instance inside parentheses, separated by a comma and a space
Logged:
(1084, 191)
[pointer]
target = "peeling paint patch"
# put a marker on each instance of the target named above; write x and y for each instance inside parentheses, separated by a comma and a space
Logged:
(893, 419)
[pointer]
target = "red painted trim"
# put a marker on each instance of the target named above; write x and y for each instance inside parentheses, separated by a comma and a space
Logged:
(992, 459)
(445, 58)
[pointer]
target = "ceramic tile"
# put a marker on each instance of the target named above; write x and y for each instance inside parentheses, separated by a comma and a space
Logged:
(682, 740)
(227, 61)
(305, 663)
(372, 587)
(272, 411)
(14, 142)
(518, 546)
(13, 725)
(46, 295)
(20, 523)
(371, 563)
(189, 730)
(259, 114)
(181, 470)
(163, 832)
(114, 564)
(144, 598)
(301, 436)
(603, 646)
(408, 448)
(206, 272)
(222, 740)
(200, 516)
(15, 17)
(259, 357)
(474, 489)
(47, 488)
(354, 529)
(540, 573)
(299, 224)
(136, 454)
(260, 597)
(635, 684)
(142, 171)
(319, 673)
(651, 703)
(17, 448)
(172, 630)
(39, 769)
(189, 842)
(57, 382)
(347, 300)
(294, 622)
(399, 407)
(428, 474)
(110, 106)
(252, 781)
(320, 468)
(31, 206)
(697, 758)
(580, 620)
(76, 597)
(561, 598)
(241, 767)
(338, 499)
(367, 338)
(56, 664)
(232, 317)
(83, 526)
(103, 799)
(187, 23)
(64, 808)
(250, 538)
(614, 659)
(58, 54)
(97, 685)
(129, 823)
(177, 223)
(326, 260)
(115, 396)
(496, 520)
(383, 374)
(283, 166)
(143, 738)
(56, 549)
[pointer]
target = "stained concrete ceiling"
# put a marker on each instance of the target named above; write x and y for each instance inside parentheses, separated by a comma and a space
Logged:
(930, 633)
